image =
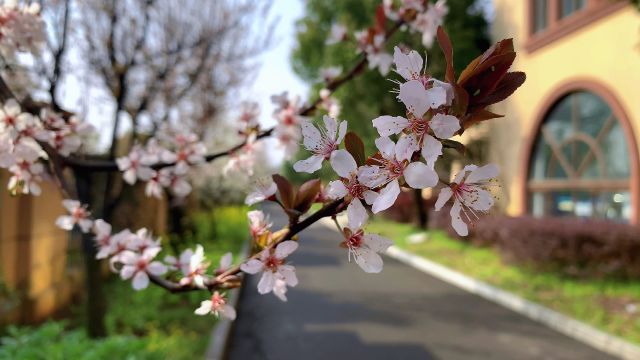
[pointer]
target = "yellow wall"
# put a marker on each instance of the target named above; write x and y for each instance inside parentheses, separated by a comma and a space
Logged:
(606, 51)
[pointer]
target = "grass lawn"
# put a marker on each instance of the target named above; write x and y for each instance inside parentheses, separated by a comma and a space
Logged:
(607, 304)
(149, 324)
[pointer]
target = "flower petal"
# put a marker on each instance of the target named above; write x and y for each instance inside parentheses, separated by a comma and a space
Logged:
(368, 260)
(486, 172)
(409, 65)
(456, 221)
(387, 197)
(376, 242)
(444, 126)
(419, 176)
(285, 249)
(431, 149)
(342, 131)
(331, 125)
(356, 215)
(343, 163)
(386, 147)
(311, 135)
(204, 309)
(252, 266)
(228, 311)
(310, 165)
(406, 146)
(336, 190)
(414, 97)
(443, 197)
(390, 125)
(266, 282)
(288, 273)
(140, 280)
(372, 176)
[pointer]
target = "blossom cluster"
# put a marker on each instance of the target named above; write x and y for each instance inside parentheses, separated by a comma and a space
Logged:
(23, 136)
(427, 17)
(133, 255)
(181, 149)
(21, 29)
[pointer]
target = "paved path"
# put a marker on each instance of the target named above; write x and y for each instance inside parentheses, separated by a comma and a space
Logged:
(339, 312)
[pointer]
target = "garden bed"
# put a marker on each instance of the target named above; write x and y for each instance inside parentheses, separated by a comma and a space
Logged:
(149, 324)
(609, 304)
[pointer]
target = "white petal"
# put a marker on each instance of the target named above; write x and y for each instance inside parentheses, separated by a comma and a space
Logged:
(390, 125)
(386, 147)
(456, 221)
(406, 146)
(85, 225)
(226, 260)
(70, 205)
(331, 125)
(310, 165)
(156, 268)
(266, 282)
(129, 176)
(204, 309)
(65, 223)
(343, 163)
(288, 273)
(252, 266)
(285, 248)
(436, 97)
(486, 172)
(372, 176)
(377, 243)
(357, 215)
(431, 149)
(463, 172)
(311, 135)
(368, 260)
(409, 65)
(228, 311)
(478, 199)
(419, 176)
(342, 131)
(415, 97)
(444, 126)
(127, 272)
(254, 198)
(140, 280)
(443, 197)
(336, 190)
(387, 197)
(370, 196)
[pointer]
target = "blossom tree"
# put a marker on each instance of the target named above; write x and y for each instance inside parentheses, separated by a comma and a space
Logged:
(37, 142)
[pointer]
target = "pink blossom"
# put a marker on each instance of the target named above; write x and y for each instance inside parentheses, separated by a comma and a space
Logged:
(194, 270)
(225, 263)
(470, 195)
(11, 116)
(142, 240)
(102, 230)
(337, 34)
(78, 215)
(217, 306)
(259, 224)
(329, 73)
(26, 172)
(363, 247)
(138, 266)
(428, 21)
(22, 27)
(271, 263)
(348, 186)
(394, 163)
(288, 139)
(264, 189)
(136, 165)
(322, 142)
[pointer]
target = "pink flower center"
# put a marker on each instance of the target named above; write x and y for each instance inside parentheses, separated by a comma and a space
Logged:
(395, 168)
(355, 240)
(141, 265)
(355, 189)
(272, 263)
(217, 301)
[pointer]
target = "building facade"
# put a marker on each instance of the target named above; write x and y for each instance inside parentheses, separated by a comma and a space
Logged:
(568, 145)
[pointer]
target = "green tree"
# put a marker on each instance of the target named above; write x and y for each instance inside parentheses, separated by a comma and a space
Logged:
(371, 95)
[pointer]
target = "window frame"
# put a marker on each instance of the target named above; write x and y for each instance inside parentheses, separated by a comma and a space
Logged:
(558, 27)
(529, 146)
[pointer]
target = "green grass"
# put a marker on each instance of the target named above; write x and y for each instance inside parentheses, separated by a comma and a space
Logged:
(599, 302)
(148, 324)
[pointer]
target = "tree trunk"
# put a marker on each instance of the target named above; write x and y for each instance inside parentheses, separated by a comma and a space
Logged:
(421, 211)
(95, 300)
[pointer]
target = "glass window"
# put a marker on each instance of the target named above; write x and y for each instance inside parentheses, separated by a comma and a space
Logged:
(540, 18)
(580, 166)
(568, 7)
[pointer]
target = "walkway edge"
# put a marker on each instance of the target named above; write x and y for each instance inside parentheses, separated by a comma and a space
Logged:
(573, 328)
(220, 334)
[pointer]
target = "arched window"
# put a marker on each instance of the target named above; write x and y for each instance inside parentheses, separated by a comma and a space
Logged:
(580, 164)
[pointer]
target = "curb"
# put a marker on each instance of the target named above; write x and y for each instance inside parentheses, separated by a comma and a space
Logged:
(220, 334)
(568, 326)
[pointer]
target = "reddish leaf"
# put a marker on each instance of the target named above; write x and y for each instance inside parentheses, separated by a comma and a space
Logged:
(381, 18)
(306, 194)
(285, 189)
(460, 102)
(500, 48)
(486, 77)
(447, 50)
(355, 147)
(479, 116)
(507, 86)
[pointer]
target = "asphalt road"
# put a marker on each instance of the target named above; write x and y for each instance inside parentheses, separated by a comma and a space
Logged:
(339, 312)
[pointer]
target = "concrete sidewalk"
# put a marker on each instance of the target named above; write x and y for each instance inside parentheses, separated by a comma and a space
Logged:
(339, 312)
